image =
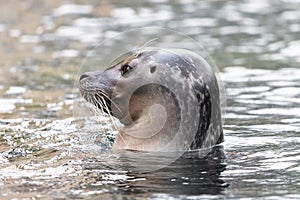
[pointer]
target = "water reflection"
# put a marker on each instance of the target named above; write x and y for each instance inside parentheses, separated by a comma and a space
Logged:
(189, 175)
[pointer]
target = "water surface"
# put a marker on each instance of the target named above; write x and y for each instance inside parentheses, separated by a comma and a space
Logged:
(47, 152)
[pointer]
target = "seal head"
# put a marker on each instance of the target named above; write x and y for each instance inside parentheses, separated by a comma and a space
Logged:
(167, 100)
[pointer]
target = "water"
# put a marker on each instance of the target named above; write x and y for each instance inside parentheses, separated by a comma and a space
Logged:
(46, 152)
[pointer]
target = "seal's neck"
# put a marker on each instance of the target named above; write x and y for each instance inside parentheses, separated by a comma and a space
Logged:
(155, 121)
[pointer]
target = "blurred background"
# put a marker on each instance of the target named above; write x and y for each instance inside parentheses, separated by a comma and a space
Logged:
(44, 43)
(254, 43)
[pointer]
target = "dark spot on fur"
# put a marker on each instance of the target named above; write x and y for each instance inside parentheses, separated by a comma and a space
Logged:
(152, 69)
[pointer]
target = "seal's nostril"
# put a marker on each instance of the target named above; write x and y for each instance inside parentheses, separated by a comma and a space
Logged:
(83, 76)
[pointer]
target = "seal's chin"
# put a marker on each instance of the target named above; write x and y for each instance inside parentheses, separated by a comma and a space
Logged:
(99, 99)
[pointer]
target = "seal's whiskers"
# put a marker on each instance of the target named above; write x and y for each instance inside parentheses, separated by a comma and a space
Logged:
(89, 100)
(113, 120)
(112, 102)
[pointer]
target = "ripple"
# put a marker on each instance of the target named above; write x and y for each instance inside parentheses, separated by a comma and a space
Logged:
(245, 49)
(238, 116)
(281, 83)
(277, 111)
(291, 1)
(279, 166)
(295, 28)
(67, 53)
(292, 15)
(16, 90)
(294, 120)
(232, 30)
(72, 9)
(8, 105)
(15, 33)
(198, 22)
(30, 39)
(276, 45)
(125, 12)
(287, 91)
(274, 127)
(230, 13)
(292, 50)
(69, 32)
(2, 27)
(243, 74)
(255, 6)
(284, 74)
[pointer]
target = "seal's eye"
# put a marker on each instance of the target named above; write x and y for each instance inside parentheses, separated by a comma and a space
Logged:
(137, 54)
(125, 69)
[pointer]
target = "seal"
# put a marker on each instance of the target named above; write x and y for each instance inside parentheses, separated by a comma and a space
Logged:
(167, 100)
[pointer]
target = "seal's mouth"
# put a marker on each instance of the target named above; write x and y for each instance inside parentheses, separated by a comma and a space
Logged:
(99, 99)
